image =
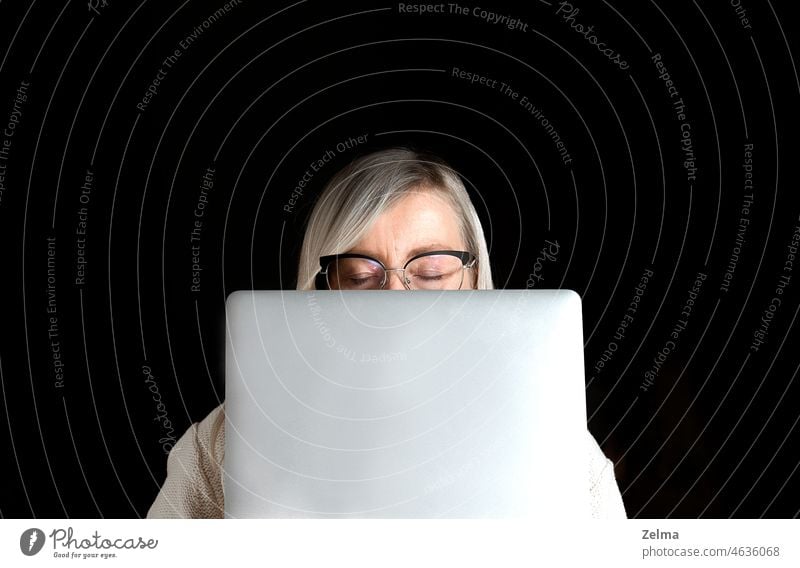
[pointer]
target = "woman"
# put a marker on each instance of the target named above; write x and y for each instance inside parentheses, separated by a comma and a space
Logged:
(388, 210)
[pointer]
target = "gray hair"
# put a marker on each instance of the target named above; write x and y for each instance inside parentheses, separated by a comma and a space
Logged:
(359, 193)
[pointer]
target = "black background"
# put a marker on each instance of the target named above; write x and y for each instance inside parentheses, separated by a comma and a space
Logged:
(267, 89)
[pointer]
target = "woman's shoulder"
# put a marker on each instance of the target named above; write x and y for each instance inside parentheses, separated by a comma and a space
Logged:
(598, 461)
(211, 434)
(194, 486)
(606, 499)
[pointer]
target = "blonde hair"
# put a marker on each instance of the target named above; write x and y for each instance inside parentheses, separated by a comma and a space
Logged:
(359, 193)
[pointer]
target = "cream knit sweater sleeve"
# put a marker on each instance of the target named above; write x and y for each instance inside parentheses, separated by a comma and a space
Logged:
(194, 488)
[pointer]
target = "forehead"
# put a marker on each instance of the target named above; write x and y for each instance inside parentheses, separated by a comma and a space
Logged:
(421, 220)
(424, 210)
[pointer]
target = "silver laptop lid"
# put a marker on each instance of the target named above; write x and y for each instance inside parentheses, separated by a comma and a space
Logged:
(398, 404)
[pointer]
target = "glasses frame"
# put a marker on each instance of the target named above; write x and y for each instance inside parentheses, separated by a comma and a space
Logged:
(468, 260)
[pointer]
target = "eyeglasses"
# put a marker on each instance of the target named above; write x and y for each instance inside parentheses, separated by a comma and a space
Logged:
(434, 270)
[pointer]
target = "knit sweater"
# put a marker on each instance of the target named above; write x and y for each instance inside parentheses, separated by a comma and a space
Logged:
(194, 486)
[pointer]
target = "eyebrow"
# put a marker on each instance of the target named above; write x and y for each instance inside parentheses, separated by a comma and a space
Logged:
(413, 252)
(427, 248)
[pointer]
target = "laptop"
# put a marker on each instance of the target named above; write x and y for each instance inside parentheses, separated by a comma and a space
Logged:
(405, 404)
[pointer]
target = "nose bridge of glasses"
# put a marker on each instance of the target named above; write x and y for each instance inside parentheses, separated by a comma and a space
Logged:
(402, 276)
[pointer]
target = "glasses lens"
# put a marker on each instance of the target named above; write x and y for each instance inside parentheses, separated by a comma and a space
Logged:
(355, 274)
(435, 272)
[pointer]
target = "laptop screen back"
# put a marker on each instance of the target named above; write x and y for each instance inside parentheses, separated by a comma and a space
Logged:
(394, 404)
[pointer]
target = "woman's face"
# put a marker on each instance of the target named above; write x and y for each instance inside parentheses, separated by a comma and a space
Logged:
(420, 222)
